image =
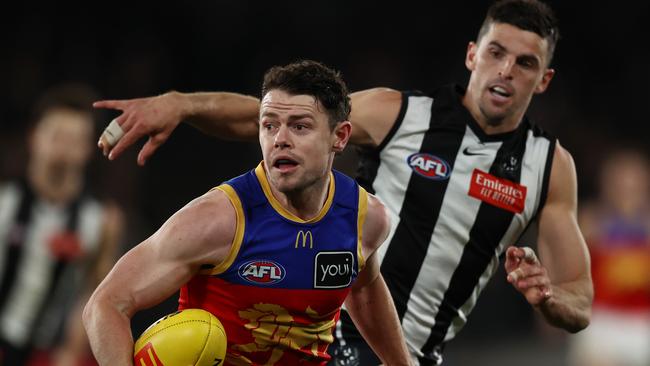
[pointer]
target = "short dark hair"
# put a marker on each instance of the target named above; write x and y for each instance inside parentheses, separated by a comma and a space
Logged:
(529, 15)
(312, 78)
(72, 96)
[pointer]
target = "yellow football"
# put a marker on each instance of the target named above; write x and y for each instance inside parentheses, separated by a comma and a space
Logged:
(190, 337)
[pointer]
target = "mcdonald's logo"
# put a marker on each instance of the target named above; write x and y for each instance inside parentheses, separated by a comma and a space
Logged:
(305, 237)
(147, 357)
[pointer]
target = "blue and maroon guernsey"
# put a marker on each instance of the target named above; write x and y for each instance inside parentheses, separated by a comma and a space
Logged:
(279, 291)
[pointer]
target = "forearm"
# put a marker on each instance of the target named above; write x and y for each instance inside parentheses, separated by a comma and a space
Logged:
(221, 114)
(371, 308)
(569, 307)
(109, 333)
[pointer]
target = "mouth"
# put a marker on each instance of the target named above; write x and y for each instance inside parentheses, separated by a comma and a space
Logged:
(500, 91)
(285, 164)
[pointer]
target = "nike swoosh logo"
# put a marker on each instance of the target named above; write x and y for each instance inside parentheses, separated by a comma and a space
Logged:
(469, 153)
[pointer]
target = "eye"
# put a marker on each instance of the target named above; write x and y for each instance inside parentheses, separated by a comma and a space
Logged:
(300, 126)
(268, 126)
(528, 64)
(496, 53)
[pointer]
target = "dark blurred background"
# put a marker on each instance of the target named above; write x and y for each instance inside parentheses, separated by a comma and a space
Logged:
(595, 103)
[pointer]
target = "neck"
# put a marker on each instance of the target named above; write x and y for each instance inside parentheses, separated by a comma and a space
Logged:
(490, 126)
(57, 184)
(305, 203)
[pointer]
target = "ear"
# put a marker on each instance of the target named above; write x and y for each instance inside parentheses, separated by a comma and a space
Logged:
(546, 79)
(341, 136)
(470, 56)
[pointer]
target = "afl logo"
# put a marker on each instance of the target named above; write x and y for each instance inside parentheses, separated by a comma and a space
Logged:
(429, 166)
(262, 272)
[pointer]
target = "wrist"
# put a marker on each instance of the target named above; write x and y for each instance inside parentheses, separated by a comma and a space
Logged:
(182, 102)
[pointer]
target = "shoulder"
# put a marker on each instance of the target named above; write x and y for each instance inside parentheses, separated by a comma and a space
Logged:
(376, 225)
(202, 231)
(377, 95)
(212, 208)
(374, 111)
(563, 167)
(563, 181)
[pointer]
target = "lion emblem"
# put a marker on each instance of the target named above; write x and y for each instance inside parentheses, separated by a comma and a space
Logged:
(274, 330)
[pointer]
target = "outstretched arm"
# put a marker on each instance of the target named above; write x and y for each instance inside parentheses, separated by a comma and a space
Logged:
(559, 284)
(374, 112)
(231, 116)
(226, 115)
(154, 270)
(369, 303)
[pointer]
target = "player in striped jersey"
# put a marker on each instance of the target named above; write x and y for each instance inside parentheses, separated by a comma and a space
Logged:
(462, 171)
(56, 240)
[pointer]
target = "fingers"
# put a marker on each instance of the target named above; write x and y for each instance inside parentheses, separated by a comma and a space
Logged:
(515, 275)
(149, 148)
(529, 255)
(515, 255)
(111, 135)
(112, 147)
(127, 140)
(110, 104)
(522, 272)
(527, 275)
(533, 282)
(524, 283)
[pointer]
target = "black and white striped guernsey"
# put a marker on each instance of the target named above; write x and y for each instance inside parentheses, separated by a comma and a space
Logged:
(37, 288)
(457, 199)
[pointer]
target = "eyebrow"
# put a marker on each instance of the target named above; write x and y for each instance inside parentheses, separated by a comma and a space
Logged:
(292, 117)
(498, 45)
(524, 57)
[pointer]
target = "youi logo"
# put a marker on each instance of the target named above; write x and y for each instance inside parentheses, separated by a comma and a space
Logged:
(429, 166)
(262, 272)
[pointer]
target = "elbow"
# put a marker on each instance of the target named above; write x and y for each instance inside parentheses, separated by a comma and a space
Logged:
(99, 308)
(579, 325)
(88, 312)
(583, 318)
(582, 315)
(582, 321)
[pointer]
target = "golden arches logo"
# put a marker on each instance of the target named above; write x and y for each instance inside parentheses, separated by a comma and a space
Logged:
(304, 237)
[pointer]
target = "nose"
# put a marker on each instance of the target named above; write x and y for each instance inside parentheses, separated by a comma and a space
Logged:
(282, 137)
(505, 68)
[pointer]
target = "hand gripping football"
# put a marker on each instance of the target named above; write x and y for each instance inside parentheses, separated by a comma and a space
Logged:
(190, 337)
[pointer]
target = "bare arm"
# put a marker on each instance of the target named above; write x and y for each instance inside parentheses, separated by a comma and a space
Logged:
(560, 286)
(369, 303)
(222, 114)
(199, 233)
(231, 116)
(374, 112)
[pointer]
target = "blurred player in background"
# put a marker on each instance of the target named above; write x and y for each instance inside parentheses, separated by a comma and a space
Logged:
(617, 230)
(462, 171)
(56, 241)
(273, 253)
